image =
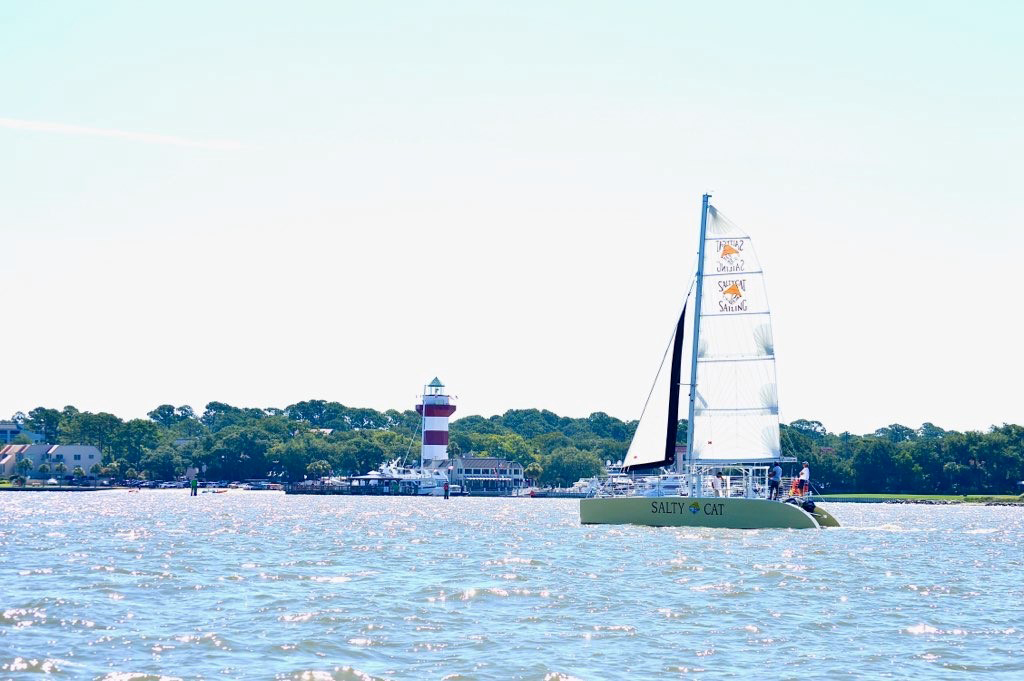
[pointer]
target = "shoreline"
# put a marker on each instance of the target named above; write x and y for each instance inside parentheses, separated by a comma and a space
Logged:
(925, 499)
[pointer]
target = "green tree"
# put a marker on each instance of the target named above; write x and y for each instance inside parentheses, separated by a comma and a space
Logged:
(896, 433)
(568, 464)
(164, 415)
(509, 446)
(100, 430)
(133, 439)
(60, 469)
(811, 429)
(872, 464)
(219, 415)
(79, 473)
(25, 466)
(318, 469)
(297, 454)
(163, 463)
(240, 451)
(358, 453)
(44, 469)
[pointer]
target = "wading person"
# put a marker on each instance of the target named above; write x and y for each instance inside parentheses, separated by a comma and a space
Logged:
(804, 483)
(446, 490)
(774, 480)
(195, 486)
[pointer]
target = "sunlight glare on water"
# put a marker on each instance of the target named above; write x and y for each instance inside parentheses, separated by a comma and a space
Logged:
(124, 586)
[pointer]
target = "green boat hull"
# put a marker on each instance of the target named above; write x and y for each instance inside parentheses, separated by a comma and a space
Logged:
(726, 513)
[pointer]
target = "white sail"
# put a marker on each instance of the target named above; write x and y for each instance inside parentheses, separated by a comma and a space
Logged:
(736, 409)
(647, 447)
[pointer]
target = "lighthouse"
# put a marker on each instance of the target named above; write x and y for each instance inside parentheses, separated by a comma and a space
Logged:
(435, 410)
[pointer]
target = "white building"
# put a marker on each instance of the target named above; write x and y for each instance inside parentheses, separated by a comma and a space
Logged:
(85, 456)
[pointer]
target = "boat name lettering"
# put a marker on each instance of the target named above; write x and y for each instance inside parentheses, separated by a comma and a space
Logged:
(679, 508)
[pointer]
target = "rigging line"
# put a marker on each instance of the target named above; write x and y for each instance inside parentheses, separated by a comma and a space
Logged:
(412, 443)
(663, 356)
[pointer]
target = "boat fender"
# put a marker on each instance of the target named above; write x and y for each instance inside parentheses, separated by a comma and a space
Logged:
(808, 506)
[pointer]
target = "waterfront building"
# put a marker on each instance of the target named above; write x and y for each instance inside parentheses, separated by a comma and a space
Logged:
(435, 408)
(85, 456)
(483, 474)
(10, 430)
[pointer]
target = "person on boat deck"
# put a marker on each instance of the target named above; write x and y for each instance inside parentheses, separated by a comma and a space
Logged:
(718, 484)
(774, 480)
(805, 479)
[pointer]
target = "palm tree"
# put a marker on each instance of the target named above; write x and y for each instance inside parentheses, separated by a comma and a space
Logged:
(44, 469)
(95, 471)
(60, 469)
(24, 466)
(79, 473)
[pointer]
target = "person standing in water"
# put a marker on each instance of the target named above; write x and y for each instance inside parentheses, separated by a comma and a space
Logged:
(446, 490)
(195, 486)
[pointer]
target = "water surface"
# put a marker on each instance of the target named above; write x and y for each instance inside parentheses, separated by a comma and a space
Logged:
(123, 585)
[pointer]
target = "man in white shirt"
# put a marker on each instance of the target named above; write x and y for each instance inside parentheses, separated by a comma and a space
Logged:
(805, 479)
(718, 484)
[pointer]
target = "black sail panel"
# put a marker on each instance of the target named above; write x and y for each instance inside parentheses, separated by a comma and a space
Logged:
(672, 430)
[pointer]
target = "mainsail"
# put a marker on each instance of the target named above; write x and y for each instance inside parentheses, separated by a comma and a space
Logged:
(736, 407)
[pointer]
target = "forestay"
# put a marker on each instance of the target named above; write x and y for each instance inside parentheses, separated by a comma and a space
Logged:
(736, 410)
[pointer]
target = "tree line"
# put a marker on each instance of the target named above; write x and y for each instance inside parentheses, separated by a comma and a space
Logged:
(317, 437)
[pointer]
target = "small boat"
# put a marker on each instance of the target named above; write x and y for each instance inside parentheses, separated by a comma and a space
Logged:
(733, 411)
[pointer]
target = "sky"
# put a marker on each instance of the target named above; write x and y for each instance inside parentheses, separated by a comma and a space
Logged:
(261, 203)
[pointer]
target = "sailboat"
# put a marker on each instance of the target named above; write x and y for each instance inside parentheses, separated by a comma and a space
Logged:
(733, 410)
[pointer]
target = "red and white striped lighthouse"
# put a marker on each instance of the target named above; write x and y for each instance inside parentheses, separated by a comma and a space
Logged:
(435, 410)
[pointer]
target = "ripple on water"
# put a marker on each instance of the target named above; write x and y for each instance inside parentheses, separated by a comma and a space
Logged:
(154, 583)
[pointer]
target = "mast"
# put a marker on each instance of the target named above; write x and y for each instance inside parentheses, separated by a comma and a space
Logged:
(423, 426)
(696, 340)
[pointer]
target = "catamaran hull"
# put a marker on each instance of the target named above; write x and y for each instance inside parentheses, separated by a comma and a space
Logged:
(726, 513)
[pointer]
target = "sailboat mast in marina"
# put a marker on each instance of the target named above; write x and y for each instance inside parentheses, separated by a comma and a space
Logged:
(732, 411)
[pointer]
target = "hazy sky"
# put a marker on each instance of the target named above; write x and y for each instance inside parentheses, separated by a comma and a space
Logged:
(261, 203)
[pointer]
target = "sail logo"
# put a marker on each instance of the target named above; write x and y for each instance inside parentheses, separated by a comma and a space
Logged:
(730, 255)
(694, 507)
(733, 292)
